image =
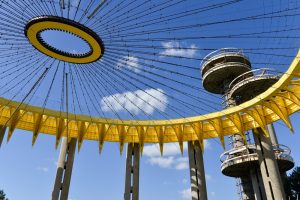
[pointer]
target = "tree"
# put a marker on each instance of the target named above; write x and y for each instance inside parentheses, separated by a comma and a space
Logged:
(2, 195)
(293, 187)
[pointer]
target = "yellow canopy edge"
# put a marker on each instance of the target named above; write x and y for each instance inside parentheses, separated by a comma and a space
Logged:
(278, 102)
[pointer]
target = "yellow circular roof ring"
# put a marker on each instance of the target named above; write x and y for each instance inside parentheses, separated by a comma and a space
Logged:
(37, 25)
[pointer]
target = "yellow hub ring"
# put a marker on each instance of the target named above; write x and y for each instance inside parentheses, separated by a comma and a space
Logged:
(37, 25)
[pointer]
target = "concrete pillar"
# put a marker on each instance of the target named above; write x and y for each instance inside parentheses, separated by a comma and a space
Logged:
(272, 133)
(197, 173)
(248, 193)
(132, 172)
(257, 184)
(2, 133)
(237, 141)
(274, 141)
(64, 169)
(268, 166)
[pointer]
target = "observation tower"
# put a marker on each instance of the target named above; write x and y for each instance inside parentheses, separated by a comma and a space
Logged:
(259, 167)
(105, 72)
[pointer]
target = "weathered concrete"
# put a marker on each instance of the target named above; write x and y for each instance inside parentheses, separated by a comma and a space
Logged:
(2, 133)
(248, 193)
(197, 172)
(64, 169)
(257, 184)
(272, 133)
(268, 166)
(238, 141)
(132, 172)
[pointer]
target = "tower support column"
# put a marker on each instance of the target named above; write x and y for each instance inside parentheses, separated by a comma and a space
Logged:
(64, 169)
(2, 133)
(268, 166)
(257, 184)
(272, 133)
(132, 172)
(197, 172)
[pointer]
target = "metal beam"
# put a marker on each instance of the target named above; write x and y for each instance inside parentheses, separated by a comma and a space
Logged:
(197, 172)
(132, 172)
(64, 169)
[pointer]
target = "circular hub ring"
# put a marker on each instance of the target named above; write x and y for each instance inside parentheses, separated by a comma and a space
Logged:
(37, 25)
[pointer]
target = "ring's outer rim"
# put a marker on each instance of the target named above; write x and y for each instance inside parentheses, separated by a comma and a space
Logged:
(49, 18)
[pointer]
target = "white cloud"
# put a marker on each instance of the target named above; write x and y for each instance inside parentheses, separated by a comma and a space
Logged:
(182, 163)
(171, 156)
(129, 62)
(136, 101)
(207, 145)
(173, 49)
(186, 194)
(170, 162)
(43, 169)
(170, 149)
(163, 162)
(208, 177)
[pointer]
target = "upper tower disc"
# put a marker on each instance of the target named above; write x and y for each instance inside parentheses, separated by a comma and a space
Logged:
(37, 25)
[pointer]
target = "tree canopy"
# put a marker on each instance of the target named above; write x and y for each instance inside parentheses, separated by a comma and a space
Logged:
(3, 195)
(293, 184)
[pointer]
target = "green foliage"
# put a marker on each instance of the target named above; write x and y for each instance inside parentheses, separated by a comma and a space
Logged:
(293, 184)
(2, 195)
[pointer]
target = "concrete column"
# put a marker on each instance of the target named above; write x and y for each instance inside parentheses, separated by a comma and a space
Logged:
(257, 184)
(247, 187)
(272, 133)
(64, 169)
(274, 141)
(197, 172)
(2, 133)
(136, 172)
(132, 172)
(246, 180)
(268, 167)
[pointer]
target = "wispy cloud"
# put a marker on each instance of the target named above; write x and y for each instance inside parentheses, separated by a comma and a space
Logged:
(186, 194)
(184, 181)
(129, 62)
(179, 163)
(208, 177)
(163, 162)
(176, 49)
(172, 158)
(170, 149)
(207, 145)
(42, 169)
(148, 100)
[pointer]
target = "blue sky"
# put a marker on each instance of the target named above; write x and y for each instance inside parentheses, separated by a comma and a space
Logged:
(27, 173)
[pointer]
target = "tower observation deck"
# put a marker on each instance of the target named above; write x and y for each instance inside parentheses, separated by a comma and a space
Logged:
(228, 72)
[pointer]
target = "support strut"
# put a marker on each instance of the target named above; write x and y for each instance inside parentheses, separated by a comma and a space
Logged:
(2, 133)
(64, 169)
(132, 172)
(268, 166)
(197, 173)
